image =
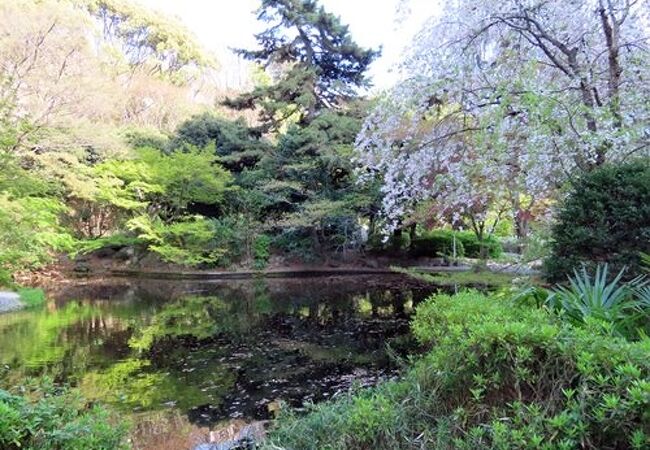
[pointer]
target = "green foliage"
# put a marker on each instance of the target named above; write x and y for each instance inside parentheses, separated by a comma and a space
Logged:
(30, 230)
(605, 218)
(472, 245)
(620, 307)
(50, 418)
(437, 243)
(465, 278)
(188, 241)
(32, 297)
(497, 375)
(114, 241)
(325, 65)
(261, 251)
(440, 242)
(237, 145)
(146, 138)
(185, 177)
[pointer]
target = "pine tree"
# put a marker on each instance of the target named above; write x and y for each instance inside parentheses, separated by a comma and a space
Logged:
(319, 64)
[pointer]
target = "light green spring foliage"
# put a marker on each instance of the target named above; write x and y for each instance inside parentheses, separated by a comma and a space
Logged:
(148, 37)
(153, 190)
(30, 225)
(160, 181)
(32, 297)
(30, 230)
(187, 176)
(496, 375)
(189, 241)
(49, 418)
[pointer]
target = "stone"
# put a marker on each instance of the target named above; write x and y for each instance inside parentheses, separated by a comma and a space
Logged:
(10, 301)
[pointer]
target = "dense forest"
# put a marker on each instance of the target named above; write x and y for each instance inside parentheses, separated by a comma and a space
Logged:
(517, 139)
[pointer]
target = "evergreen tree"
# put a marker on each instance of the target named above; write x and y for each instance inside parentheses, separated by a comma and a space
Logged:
(319, 64)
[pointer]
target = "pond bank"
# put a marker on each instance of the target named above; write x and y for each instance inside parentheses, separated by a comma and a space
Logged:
(10, 301)
(272, 273)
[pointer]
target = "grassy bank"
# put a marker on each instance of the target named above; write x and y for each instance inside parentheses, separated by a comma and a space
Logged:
(461, 278)
(31, 297)
(498, 375)
(41, 416)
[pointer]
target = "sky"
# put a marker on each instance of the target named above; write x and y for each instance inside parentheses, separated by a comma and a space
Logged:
(223, 24)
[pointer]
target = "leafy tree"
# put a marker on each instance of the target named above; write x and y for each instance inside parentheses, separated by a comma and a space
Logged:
(146, 37)
(320, 65)
(184, 178)
(30, 223)
(310, 181)
(504, 99)
(238, 146)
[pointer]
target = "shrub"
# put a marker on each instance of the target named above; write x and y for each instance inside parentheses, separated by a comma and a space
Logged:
(48, 418)
(261, 251)
(437, 243)
(32, 297)
(498, 375)
(472, 245)
(189, 241)
(605, 218)
(619, 306)
(440, 242)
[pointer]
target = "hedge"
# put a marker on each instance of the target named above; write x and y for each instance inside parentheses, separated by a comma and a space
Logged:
(440, 242)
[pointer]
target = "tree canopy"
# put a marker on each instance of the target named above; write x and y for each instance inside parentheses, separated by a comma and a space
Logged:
(318, 64)
(503, 101)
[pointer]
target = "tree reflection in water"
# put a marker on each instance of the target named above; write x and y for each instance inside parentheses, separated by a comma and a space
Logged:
(212, 351)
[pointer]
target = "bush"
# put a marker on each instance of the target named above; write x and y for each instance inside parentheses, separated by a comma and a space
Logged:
(190, 241)
(605, 218)
(48, 418)
(472, 245)
(440, 242)
(261, 251)
(32, 297)
(498, 375)
(437, 243)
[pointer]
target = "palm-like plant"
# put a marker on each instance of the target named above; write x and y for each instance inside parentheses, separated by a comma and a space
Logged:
(616, 303)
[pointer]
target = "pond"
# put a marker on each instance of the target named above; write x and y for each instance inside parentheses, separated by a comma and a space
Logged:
(213, 352)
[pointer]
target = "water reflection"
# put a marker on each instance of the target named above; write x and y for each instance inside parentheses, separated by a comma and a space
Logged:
(211, 350)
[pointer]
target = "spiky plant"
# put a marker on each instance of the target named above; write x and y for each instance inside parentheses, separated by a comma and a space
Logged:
(615, 303)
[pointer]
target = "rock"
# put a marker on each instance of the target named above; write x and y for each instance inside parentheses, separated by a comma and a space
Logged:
(105, 252)
(239, 444)
(125, 254)
(228, 439)
(372, 263)
(10, 301)
(81, 267)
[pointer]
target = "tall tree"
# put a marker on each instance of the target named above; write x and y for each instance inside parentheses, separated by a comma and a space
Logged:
(318, 64)
(307, 180)
(145, 37)
(516, 96)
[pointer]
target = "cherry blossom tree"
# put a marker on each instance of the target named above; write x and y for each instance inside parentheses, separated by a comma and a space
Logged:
(503, 100)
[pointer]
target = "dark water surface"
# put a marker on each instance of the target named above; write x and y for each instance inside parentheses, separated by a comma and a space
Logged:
(212, 351)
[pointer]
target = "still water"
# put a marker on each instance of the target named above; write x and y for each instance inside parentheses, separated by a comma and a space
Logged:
(212, 351)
